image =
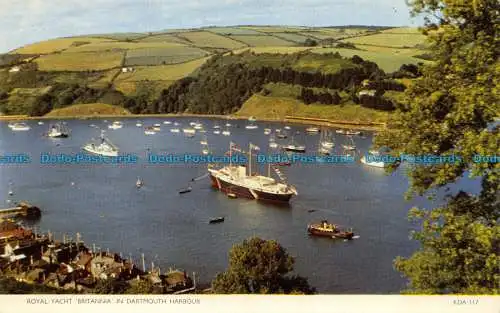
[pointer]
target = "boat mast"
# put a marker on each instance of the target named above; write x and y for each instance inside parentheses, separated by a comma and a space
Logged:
(230, 152)
(250, 160)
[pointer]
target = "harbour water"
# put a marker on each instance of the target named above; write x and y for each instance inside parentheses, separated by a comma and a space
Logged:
(103, 204)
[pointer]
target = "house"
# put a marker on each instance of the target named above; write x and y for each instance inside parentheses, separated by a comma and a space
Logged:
(127, 69)
(370, 93)
(104, 267)
(14, 69)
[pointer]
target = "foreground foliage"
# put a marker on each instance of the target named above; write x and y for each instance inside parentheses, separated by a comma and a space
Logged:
(451, 110)
(261, 267)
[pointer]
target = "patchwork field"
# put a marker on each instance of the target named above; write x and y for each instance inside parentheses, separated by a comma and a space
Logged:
(277, 50)
(274, 29)
(54, 45)
(120, 45)
(162, 56)
(172, 38)
(162, 72)
(327, 65)
(295, 37)
(262, 40)
(80, 61)
(232, 31)
(120, 36)
(389, 60)
(397, 40)
(105, 79)
(209, 39)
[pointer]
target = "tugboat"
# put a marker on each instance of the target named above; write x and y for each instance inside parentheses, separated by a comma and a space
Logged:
(325, 229)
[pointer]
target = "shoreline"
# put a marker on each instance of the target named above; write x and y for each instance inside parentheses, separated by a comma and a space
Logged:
(371, 126)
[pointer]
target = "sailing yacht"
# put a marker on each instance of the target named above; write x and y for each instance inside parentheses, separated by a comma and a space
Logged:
(293, 147)
(326, 140)
(116, 125)
(58, 130)
(350, 146)
(105, 147)
(226, 131)
(240, 181)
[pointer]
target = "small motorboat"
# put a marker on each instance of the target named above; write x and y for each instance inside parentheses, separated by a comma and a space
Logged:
(216, 220)
(40, 123)
(19, 127)
(205, 151)
(156, 127)
(138, 124)
(226, 133)
(287, 127)
(273, 144)
(232, 195)
(295, 148)
(312, 130)
(174, 130)
(149, 131)
(325, 229)
(217, 132)
(116, 125)
(11, 193)
(340, 131)
(353, 132)
(167, 122)
(267, 131)
(312, 210)
(139, 183)
(251, 126)
(186, 190)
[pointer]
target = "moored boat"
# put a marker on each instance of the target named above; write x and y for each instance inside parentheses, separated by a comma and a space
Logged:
(325, 229)
(267, 131)
(312, 130)
(216, 220)
(58, 130)
(186, 190)
(353, 132)
(105, 147)
(149, 131)
(251, 126)
(242, 182)
(19, 127)
(174, 130)
(116, 125)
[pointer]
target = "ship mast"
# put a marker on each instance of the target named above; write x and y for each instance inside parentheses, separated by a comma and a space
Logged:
(250, 160)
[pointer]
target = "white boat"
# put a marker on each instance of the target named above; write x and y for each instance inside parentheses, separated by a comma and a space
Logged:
(273, 144)
(353, 133)
(157, 125)
(349, 147)
(312, 130)
(340, 131)
(40, 123)
(204, 141)
(326, 142)
(19, 127)
(138, 124)
(105, 147)
(167, 122)
(58, 131)
(116, 125)
(278, 130)
(139, 183)
(205, 151)
(189, 131)
(366, 160)
(175, 130)
(228, 125)
(295, 148)
(156, 128)
(217, 132)
(192, 123)
(267, 131)
(176, 124)
(251, 126)
(287, 127)
(325, 151)
(198, 126)
(149, 131)
(226, 133)
(216, 126)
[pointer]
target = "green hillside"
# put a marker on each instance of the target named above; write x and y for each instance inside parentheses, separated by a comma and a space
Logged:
(124, 69)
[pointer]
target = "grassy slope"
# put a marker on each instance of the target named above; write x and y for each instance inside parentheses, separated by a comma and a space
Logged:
(107, 52)
(89, 109)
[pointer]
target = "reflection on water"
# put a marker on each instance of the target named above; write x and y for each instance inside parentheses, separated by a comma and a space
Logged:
(103, 204)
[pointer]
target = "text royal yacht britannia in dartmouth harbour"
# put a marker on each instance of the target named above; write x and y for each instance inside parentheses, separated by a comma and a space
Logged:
(238, 180)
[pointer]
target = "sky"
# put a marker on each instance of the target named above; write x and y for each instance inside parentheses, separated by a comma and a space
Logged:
(28, 21)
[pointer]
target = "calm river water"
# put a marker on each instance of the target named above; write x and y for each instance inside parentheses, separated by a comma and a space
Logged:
(102, 203)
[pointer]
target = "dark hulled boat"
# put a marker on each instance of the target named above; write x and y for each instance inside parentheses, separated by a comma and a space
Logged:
(237, 180)
(186, 190)
(325, 229)
(216, 220)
